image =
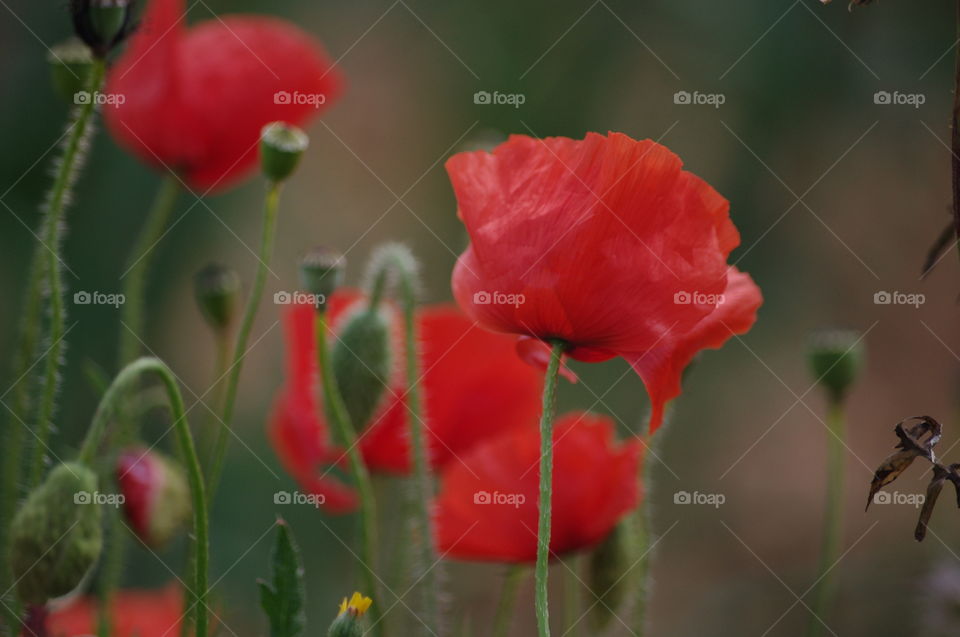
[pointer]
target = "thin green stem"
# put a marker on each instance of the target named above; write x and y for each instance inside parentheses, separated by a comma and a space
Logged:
(361, 477)
(571, 596)
(59, 194)
(109, 405)
(270, 213)
(642, 539)
(832, 521)
(141, 257)
(508, 600)
(223, 340)
(546, 487)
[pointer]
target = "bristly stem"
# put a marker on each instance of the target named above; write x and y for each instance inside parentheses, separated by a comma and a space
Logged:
(549, 408)
(66, 175)
(333, 401)
(141, 257)
(108, 407)
(271, 209)
(508, 600)
(832, 522)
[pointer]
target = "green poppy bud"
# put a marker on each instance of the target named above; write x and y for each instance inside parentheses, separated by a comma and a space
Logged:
(349, 621)
(56, 536)
(362, 362)
(281, 146)
(836, 357)
(321, 273)
(102, 24)
(70, 63)
(217, 290)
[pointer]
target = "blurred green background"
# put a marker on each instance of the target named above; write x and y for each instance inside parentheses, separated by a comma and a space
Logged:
(799, 119)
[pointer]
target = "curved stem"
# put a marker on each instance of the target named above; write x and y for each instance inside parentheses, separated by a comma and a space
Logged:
(832, 522)
(361, 477)
(141, 258)
(271, 209)
(546, 487)
(108, 406)
(66, 175)
(508, 600)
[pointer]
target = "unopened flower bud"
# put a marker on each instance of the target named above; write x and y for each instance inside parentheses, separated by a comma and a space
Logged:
(321, 273)
(836, 357)
(281, 146)
(70, 62)
(56, 536)
(102, 24)
(156, 496)
(217, 290)
(349, 621)
(362, 361)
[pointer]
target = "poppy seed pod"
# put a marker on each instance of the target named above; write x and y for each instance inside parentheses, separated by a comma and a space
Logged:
(362, 361)
(156, 495)
(321, 273)
(349, 620)
(281, 146)
(102, 24)
(56, 536)
(70, 62)
(217, 290)
(835, 357)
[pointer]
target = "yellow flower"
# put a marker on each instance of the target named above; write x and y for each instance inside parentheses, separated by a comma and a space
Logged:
(357, 605)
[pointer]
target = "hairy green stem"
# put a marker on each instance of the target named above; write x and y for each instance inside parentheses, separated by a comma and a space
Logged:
(832, 521)
(109, 406)
(141, 257)
(508, 600)
(546, 487)
(271, 210)
(66, 175)
(361, 477)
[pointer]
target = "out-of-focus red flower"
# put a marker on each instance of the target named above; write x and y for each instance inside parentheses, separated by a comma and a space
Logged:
(156, 495)
(135, 613)
(474, 387)
(604, 243)
(487, 506)
(194, 99)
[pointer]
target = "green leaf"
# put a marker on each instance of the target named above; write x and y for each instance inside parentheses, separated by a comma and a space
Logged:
(283, 602)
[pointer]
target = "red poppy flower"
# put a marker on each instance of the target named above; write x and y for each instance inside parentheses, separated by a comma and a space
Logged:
(156, 495)
(194, 99)
(474, 387)
(487, 506)
(604, 243)
(134, 613)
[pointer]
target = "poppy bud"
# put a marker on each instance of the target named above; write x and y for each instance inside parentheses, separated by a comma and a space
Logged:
(156, 495)
(281, 146)
(70, 62)
(321, 273)
(349, 620)
(607, 577)
(362, 361)
(102, 24)
(217, 290)
(56, 536)
(836, 357)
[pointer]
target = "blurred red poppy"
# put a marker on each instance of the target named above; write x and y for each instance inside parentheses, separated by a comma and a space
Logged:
(487, 506)
(194, 99)
(604, 243)
(135, 613)
(473, 383)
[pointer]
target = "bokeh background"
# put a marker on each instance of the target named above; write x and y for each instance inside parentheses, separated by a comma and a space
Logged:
(837, 198)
